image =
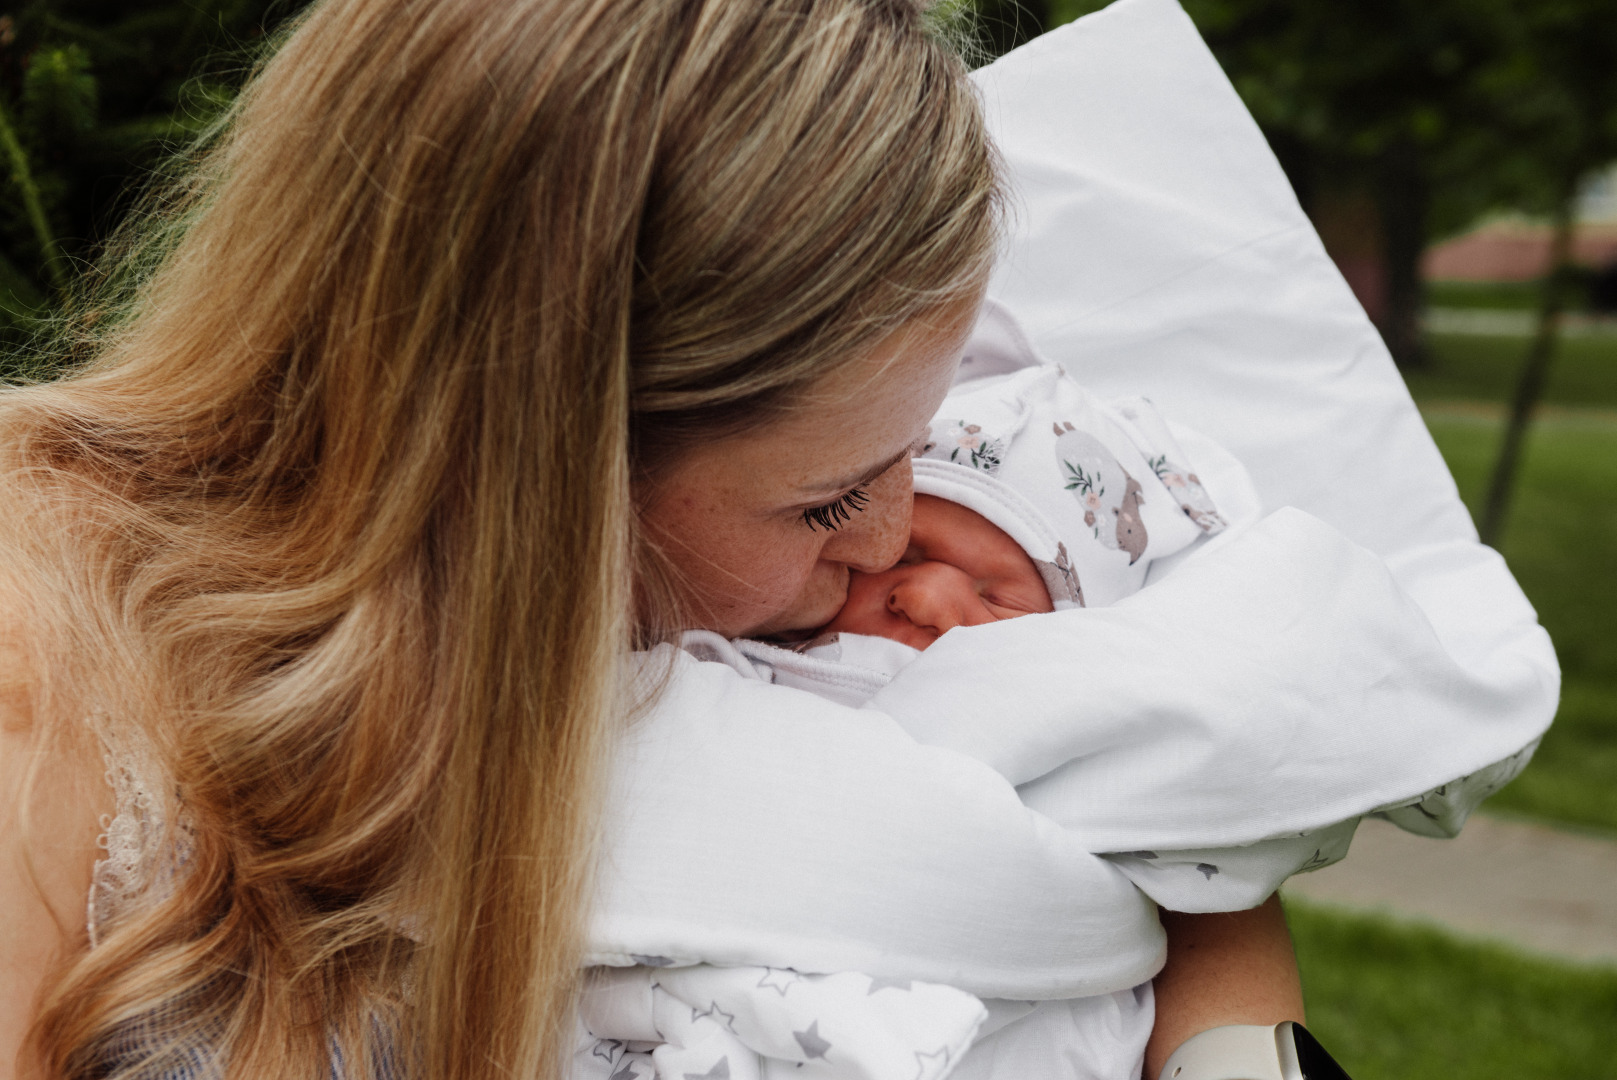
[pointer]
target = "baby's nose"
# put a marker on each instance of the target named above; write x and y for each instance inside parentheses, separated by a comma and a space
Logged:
(937, 596)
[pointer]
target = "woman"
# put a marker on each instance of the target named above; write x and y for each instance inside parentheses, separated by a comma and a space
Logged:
(332, 541)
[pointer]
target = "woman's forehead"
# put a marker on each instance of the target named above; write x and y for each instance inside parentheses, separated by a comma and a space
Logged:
(863, 419)
(882, 402)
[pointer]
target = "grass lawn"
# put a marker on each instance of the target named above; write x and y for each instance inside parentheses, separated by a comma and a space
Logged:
(1561, 542)
(1494, 295)
(1395, 1001)
(1392, 1001)
(1473, 367)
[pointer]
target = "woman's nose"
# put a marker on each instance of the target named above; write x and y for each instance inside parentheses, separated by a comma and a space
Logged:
(875, 538)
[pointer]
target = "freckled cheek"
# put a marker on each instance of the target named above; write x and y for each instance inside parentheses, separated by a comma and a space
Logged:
(765, 564)
(804, 592)
(728, 565)
(785, 567)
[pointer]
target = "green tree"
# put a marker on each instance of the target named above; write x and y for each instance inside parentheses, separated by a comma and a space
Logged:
(1002, 25)
(1558, 99)
(94, 94)
(1390, 102)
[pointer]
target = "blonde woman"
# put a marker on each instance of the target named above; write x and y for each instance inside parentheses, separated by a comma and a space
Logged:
(492, 340)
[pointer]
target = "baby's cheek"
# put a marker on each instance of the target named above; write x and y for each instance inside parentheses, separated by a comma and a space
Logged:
(861, 615)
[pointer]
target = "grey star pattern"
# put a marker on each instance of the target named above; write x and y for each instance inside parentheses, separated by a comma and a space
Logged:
(1207, 869)
(879, 983)
(718, 1015)
(780, 979)
(627, 1072)
(720, 1071)
(652, 961)
(810, 1041)
(607, 1048)
(938, 1057)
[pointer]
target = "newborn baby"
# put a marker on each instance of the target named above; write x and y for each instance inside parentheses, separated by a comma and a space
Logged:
(1039, 497)
(960, 569)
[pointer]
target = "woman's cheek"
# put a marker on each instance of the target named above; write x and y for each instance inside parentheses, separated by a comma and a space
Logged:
(806, 591)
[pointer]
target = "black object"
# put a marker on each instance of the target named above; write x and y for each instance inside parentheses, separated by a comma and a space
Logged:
(1312, 1059)
(1602, 288)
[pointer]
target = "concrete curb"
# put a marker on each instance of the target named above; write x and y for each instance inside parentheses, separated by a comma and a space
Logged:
(1530, 886)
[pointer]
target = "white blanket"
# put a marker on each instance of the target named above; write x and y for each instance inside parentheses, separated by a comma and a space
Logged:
(1280, 683)
(756, 824)
(1353, 653)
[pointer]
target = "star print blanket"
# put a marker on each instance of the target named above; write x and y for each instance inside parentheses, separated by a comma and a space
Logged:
(1353, 651)
(753, 1023)
(749, 1023)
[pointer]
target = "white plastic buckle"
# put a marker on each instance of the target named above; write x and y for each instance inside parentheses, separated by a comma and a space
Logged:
(1236, 1052)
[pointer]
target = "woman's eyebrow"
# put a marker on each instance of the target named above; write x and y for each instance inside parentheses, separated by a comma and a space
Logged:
(864, 478)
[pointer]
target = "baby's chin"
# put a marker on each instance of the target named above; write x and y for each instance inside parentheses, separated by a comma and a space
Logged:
(903, 633)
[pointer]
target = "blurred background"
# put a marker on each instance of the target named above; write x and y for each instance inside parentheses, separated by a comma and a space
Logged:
(1459, 160)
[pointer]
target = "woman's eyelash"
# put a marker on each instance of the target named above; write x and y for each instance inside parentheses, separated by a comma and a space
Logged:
(833, 515)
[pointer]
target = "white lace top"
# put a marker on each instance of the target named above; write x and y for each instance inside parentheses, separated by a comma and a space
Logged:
(143, 846)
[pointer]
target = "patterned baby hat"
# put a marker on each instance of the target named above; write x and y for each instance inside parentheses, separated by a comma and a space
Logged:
(1094, 491)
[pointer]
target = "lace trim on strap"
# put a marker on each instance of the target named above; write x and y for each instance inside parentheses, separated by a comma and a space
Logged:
(146, 840)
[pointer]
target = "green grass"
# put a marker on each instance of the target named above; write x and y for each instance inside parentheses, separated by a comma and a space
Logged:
(1562, 532)
(1560, 542)
(1394, 1001)
(1478, 368)
(1497, 295)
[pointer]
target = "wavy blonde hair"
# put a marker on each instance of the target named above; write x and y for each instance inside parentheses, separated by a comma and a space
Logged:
(337, 511)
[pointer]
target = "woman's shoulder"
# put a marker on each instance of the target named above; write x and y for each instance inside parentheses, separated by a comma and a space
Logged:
(52, 795)
(47, 761)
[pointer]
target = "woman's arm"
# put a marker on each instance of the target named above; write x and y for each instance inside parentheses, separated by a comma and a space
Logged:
(1233, 967)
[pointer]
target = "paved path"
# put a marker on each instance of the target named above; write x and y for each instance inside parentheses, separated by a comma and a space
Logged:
(1494, 323)
(1494, 412)
(1532, 886)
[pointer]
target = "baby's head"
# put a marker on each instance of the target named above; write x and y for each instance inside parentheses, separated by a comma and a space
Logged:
(959, 570)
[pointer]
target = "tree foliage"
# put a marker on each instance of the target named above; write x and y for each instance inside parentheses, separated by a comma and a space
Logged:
(1432, 110)
(1562, 95)
(94, 94)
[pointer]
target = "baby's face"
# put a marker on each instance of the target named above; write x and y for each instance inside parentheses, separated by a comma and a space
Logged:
(959, 570)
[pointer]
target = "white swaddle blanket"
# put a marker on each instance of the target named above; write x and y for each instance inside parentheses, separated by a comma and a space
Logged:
(756, 824)
(1355, 650)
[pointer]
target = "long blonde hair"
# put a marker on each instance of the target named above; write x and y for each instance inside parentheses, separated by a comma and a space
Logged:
(337, 513)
